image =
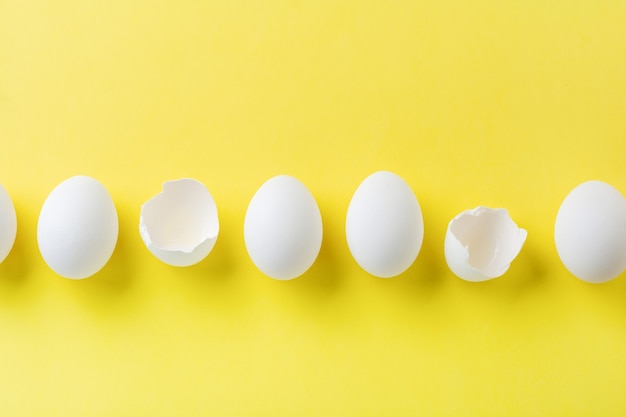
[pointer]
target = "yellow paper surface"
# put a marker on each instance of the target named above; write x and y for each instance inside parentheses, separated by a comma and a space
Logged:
(496, 103)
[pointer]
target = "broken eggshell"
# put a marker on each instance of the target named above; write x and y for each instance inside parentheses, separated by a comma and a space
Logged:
(481, 243)
(180, 225)
(8, 224)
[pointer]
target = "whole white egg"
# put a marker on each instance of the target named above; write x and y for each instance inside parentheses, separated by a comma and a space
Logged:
(8, 224)
(78, 227)
(590, 232)
(384, 225)
(283, 228)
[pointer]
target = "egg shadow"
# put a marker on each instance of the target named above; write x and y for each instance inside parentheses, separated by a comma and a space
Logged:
(526, 277)
(15, 268)
(531, 269)
(216, 284)
(425, 279)
(325, 277)
(108, 289)
(218, 269)
(426, 276)
(212, 280)
(607, 297)
(528, 272)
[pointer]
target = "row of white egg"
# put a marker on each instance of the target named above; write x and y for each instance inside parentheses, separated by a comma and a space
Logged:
(78, 229)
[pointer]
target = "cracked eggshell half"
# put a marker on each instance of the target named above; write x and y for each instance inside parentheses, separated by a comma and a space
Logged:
(590, 232)
(180, 225)
(283, 228)
(384, 225)
(8, 224)
(78, 228)
(480, 244)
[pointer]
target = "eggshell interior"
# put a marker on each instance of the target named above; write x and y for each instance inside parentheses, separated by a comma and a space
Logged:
(180, 225)
(481, 243)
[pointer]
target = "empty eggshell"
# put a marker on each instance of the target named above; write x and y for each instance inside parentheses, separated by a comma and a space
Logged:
(590, 232)
(8, 224)
(384, 225)
(481, 243)
(78, 227)
(180, 225)
(283, 228)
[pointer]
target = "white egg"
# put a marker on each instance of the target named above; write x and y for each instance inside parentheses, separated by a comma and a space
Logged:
(8, 224)
(481, 243)
(78, 228)
(384, 225)
(180, 225)
(590, 232)
(283, 228)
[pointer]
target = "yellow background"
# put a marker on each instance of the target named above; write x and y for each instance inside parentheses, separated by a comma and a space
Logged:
(497, 103)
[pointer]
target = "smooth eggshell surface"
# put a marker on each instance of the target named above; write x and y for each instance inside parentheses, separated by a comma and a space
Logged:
(283, 228)
(8, 224)
(590, 232)
(384, 225)
(78, 228)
